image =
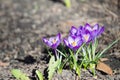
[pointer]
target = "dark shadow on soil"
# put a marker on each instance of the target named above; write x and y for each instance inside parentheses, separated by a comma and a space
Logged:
(46, 56)
(58, 1)
(33, 74)
(27, 60)
(102, 72)
(46, 73)
(119, 5)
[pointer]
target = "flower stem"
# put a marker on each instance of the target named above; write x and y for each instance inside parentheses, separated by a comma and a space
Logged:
(56, 55)
(76, 55)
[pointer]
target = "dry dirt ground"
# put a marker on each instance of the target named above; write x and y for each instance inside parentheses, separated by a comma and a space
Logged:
(24, 22)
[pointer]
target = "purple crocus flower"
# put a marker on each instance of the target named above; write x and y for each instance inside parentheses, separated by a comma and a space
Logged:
(53, 42)
(81, 32)
(86, 36)
(73, 31)
(73, 42)
(95, 30)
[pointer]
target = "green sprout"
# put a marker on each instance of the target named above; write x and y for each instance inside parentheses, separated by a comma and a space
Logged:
(52, 67)
(39, 74)
(67, 3)
(19, 75)
(22, 76)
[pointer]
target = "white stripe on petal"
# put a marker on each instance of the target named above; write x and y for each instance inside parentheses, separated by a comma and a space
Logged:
(70, 40)
(45, 40)
(77, 39)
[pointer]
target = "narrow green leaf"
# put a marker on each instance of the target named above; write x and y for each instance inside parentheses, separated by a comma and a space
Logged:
(39, 74)
(80, 48)
(93, 48)
(61, 53)
(19, 75)
(89, 54)
(108, 48)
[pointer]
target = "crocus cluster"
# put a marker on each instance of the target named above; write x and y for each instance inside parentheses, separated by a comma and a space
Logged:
(86, 34)
(77, 36)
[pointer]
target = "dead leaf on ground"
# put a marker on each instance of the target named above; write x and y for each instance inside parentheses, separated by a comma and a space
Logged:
(3, 63)
(104, 68)
(104, 59)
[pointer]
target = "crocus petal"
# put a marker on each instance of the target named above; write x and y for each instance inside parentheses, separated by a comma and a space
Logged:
(77, 39)
(54, 46)
(86, 37)
(80, 42)
(49, 43)
(73, 30)
(70, 46)
(95, 27)
(70, 39)
(51, 39)
(58, 42)
(94, 33)
(81, 28)
(45, 40)
(58, 37)
(88, 27)
(101, 30)
(76, 47)
(66, 42)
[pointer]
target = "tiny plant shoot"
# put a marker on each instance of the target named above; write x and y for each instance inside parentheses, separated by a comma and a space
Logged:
(67, 3)
(19, 75)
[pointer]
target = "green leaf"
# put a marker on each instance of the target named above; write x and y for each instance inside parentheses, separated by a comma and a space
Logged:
(19, 75)
(52, 67)
(16, 73)
(80, 48)
(108, 48)
(88, 52)
(78, 70)
(39, 74)
(50, 53)
(72, 55)
(61, 53)
(67, 3)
